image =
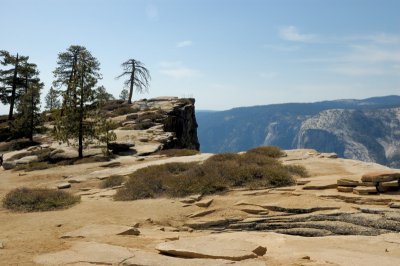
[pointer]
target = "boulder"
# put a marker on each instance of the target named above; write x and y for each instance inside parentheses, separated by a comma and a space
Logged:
(7, 165)
(212, 248)
(394, 183)
(380, 176)
(394, 205)
(118, 147)
(63, 185)
(27, 159)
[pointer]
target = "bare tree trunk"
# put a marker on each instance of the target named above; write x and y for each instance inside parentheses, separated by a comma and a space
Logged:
(80, 134)
(14, 89)
(32, 117)
(132, 83)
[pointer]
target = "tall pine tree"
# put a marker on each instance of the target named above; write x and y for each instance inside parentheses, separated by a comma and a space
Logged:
(11, 79)
(51, 100)
(76, 76)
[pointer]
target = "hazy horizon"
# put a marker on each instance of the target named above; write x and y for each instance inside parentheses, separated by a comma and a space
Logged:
(225, 54)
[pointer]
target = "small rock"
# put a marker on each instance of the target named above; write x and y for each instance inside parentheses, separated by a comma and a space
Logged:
(344, 189)
(1, 245)
(187, 200)
(196, 197)
(136, 225)
(394, 205)
(7, 165)
(306, 258)
(364, 190)
(201, 213)
(255, 211)
(204, 203)
(344, 182)
(63, 185)
(149, 220)
(394, 183)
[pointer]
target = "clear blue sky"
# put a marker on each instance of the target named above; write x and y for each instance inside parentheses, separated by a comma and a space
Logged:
(225, 53)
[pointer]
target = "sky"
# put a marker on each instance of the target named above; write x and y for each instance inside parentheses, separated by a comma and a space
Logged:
(224, 53)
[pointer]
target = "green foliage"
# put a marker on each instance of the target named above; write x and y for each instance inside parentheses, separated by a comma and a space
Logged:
(52, 100)
(76, 75)
(105, 134)
(38, 199)
(102, 96)
(124, 95)
(112, 181)
(28, 119)
(218, 173)
(13, 77)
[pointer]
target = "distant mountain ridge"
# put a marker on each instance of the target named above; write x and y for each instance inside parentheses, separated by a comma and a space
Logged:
(367, 129)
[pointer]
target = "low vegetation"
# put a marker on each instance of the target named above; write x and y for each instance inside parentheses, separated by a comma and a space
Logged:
(112, 181)
(257, 168)
(38, 199)
(178, 152)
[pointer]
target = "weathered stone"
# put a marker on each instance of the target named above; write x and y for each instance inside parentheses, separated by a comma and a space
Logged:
(394, 183)
(213, 248)
(255, 211)
(187, 200)
(204, 224)
(1, 245)
(201, 213)
(27, 159)
(8, 165)
(364, 190)
(344, 182)
(87, 252)
(394, 205)
(368, 184)
(96, 230)
(345, 189)
(381, 176)
(204, 203)
(320, 186)
(63, 185)
(196, 197)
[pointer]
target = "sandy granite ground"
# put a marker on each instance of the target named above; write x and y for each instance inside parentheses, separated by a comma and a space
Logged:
(27, 238)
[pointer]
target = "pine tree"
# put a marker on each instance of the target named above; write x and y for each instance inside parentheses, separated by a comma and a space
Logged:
(139, 77)
(105, 133)
(28, 118)
(51, 100)
(77, 72)
(11, 82)
(124, 95)
(102, 96)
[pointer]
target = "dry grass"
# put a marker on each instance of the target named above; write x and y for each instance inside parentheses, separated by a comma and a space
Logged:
(38, 199)
(218, 173)
(178, 152)
(112, 181)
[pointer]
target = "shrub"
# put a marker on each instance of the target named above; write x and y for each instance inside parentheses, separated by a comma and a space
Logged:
(178, 152)
(297, 170)
(112, 181)
(33, 166)
(270, 151)
(218, 173)
(38, 199)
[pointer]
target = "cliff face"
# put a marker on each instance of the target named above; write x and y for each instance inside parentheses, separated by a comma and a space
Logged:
(182, 121)
(371, 135)
(159, 123)
(367, 130)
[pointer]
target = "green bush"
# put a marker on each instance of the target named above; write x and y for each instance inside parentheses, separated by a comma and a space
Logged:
(220, 172)
(38, 199)
(112, 181)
